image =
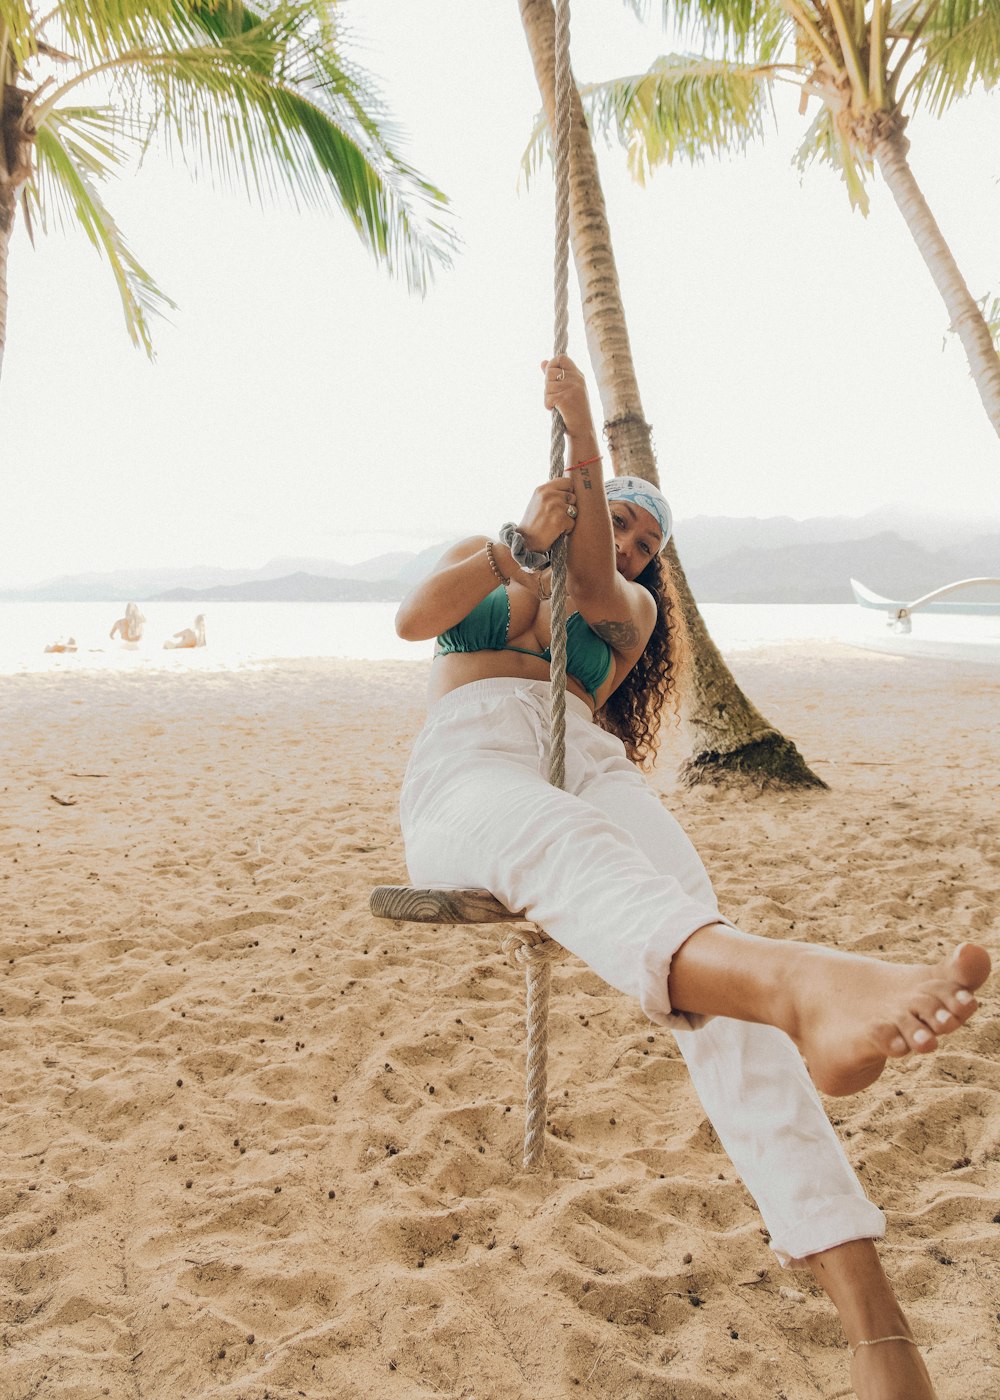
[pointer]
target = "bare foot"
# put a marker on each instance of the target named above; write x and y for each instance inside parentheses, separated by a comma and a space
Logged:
(854, 1013)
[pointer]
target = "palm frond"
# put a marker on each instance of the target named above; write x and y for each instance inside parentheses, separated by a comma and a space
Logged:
(961, 47)
(74, 152)
(825, 143)
(737, 29)
(685, 107)
(95, 30)
(17, 31)
(261, 105)
(274, 137)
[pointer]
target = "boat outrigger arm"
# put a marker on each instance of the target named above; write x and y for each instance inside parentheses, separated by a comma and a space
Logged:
(900, 613)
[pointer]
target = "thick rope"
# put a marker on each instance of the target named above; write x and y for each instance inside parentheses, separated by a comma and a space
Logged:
(560, 339)
(537, 951)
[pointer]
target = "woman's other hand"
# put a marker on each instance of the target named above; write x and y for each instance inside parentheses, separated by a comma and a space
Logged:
(566, 389)
(551, 512)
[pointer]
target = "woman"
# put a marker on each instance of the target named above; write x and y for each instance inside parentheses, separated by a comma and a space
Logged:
(610, 875)
(129, 627)
(188, 636)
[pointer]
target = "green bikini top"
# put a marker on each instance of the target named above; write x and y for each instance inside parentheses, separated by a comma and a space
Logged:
(589, 659)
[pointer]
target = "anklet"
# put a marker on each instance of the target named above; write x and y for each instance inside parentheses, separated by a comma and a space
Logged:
(876, 1341)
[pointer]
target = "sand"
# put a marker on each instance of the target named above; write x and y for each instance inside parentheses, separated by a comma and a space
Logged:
(254, 1143)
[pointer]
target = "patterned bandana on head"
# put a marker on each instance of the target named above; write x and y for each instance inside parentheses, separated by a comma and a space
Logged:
(645, 495)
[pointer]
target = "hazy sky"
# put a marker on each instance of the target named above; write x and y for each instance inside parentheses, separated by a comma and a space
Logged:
(789, 352)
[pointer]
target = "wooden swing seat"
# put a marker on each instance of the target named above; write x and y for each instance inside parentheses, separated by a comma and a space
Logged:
(439, 906)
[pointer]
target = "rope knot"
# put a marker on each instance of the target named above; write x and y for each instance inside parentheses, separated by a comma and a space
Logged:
(528, 945)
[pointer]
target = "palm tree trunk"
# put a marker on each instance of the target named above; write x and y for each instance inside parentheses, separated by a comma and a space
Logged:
(967, 319)
(731, 740)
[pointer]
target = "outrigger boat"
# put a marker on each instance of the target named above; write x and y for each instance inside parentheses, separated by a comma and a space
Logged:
(900, 613)
(972, 644)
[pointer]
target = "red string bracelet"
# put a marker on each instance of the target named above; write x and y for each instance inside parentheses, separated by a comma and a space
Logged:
(588, 463)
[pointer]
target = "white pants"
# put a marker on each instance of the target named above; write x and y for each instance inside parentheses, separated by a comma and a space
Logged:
(609, 874)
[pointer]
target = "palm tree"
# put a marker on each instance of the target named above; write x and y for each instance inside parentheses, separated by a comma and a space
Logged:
(264, 97)
(731, 739)
(868, 63)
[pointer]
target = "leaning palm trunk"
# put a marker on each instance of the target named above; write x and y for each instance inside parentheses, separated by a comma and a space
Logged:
(967, 320)
(731, 740)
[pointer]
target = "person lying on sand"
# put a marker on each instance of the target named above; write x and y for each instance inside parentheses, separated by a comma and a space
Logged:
(60, 645)
(189, 636)
(607, 871)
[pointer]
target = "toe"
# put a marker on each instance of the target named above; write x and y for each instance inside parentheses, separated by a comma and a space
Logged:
(968, 966)
(937, 997)
(934, 1014)
(960, 1003)
(918, 1036)
(889, 1040)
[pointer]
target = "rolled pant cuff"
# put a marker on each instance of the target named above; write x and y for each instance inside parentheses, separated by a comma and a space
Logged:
(654, 969)
(843, 1219)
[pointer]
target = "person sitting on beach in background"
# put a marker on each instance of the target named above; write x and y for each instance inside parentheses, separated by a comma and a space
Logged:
(607, 871)
(188, 636)
(60, 645)
(129, 627)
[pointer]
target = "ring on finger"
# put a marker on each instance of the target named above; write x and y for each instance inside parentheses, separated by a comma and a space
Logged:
(571, 511)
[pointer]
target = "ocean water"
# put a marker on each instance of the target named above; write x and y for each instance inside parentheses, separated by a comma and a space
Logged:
(238, 635)
(244, 635)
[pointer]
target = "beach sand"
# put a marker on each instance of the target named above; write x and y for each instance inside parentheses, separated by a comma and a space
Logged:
(255, 1143)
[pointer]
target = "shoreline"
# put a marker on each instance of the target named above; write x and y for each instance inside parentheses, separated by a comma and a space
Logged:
(251, 634)
(188, 942)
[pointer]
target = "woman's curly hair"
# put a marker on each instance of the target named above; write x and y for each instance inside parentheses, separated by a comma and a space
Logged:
(632, 712)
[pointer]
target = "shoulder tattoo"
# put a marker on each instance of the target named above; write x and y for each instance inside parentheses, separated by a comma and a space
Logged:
(623, 636)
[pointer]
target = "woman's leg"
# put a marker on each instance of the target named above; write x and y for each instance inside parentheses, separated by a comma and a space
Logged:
(477, 811)
(750, 1079)
(846, 1014)
(855, 1282)
(755, 1089)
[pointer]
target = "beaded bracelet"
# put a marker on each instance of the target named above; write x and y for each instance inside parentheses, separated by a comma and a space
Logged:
(588, 463)
(494, 565)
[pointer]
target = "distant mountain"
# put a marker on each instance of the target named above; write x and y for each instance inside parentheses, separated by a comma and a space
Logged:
(145, 585)
(819, 572)
(703, 538)
(383, 566)
(293, 588)
(727, 559)
(979, 557)
(119, 587)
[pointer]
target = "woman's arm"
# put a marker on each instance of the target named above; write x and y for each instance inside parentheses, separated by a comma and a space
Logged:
(461, 578)
(620, 611)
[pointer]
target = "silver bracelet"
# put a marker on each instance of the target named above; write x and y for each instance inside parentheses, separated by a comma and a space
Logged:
(521, 554)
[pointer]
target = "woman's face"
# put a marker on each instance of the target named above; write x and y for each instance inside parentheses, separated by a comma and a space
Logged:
(637, 538)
